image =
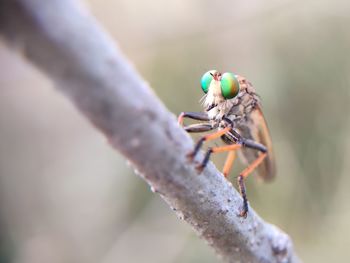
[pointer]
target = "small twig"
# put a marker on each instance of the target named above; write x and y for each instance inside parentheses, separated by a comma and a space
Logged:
(65, 42)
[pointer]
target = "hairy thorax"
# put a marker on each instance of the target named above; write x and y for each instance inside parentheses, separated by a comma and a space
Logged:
(237, 110)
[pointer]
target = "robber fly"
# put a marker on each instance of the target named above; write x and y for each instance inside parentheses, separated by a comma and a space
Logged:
(232, 108)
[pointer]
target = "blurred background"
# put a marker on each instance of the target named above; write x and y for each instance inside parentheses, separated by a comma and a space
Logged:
(65, 196)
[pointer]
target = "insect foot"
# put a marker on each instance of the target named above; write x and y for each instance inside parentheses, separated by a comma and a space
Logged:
(243, 212)
(190, 156)
(193, 154)
(200, 168)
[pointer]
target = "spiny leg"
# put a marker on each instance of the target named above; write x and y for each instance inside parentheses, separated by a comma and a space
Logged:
(241, 186)
(229, 163)
(200, 116)
(205, 138)
(226, 148)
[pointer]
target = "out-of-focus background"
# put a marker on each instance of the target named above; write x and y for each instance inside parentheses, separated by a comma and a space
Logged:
(65, 196)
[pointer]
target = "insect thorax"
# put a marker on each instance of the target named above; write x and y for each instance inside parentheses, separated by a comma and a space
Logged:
(237, 110)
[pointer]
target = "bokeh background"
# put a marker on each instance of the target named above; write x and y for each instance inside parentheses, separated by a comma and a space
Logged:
(65, 196)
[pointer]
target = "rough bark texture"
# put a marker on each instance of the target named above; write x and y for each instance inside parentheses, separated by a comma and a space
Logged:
(66, 43)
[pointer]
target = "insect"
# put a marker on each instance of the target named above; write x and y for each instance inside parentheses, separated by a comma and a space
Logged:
(232, 109)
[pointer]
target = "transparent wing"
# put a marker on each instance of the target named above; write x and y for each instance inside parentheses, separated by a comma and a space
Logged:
(256, 129)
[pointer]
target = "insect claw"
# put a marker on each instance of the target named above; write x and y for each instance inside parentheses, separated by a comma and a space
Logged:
(190, 156)
(200, 168)
(243, 211)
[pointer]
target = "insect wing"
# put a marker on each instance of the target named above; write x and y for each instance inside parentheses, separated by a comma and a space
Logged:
(257, 130)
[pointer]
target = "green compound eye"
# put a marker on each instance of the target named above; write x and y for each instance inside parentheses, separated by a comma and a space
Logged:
(206, 80)
(229, 85)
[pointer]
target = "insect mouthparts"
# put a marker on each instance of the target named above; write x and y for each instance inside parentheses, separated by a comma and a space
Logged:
(211, 106)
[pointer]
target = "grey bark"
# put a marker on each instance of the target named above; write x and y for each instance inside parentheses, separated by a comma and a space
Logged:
(63, 40)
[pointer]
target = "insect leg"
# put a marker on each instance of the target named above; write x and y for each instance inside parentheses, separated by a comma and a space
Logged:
(240, 180)
(229, 163)
(200, 116)
(226, 148)
(199, 127)
(253, 145)
(207, 137)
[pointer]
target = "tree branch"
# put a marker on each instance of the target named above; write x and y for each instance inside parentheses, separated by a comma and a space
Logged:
(65, 42)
